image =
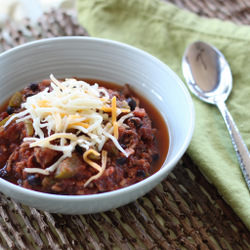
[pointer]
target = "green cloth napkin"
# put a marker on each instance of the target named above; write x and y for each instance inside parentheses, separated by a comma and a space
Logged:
(165, 31)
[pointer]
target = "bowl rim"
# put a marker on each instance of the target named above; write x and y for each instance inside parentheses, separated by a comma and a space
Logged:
(131, 188)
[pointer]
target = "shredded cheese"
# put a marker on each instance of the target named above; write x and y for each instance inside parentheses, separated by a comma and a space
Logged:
(90, 162)
(114, 109)
(84, 125)
(116, 133)
(73, 113)
(104, 163)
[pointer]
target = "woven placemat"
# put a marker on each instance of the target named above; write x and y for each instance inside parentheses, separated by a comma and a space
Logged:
(237, 11)
(183, 212)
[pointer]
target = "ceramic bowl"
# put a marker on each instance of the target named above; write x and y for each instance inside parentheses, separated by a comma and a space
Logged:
(109, 61)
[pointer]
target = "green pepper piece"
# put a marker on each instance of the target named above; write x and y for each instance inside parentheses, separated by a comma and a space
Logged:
(2, 123)
(68, 167)
(64, 173)
(93, 157)
(16, 100)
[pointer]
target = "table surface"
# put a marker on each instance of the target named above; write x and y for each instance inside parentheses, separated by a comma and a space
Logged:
(183, 212)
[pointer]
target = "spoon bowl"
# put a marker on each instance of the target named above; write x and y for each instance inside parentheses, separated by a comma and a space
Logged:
(209, 77)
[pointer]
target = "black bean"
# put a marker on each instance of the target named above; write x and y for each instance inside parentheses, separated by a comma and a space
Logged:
(155, 157)
(79, 149)
(136, 121)
(140, 173)
(33, 86)
(121, 160)
(132, 103)
(10, 110)
(34, 180)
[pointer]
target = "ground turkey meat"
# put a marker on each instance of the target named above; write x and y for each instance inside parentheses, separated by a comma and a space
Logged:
(10, 139)
(136, 136)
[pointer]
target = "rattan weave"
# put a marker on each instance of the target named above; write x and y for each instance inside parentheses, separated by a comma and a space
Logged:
(184, 212)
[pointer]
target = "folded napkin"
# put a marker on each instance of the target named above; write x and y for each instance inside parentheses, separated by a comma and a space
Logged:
(165, 31)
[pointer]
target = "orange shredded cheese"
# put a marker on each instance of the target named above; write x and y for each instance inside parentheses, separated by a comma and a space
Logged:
(106, 109)
(103, 99)
(109, 109)
(82, 124)
(114, 110)
(116, 133)
(125, 110)
(44, 103)
(113, 102)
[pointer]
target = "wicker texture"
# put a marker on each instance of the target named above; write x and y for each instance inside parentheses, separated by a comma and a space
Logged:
(184, 212)
(237, 11)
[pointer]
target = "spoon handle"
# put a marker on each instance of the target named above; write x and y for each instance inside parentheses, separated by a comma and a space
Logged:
(238, 143)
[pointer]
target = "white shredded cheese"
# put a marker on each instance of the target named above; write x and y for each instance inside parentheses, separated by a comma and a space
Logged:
(72, 113)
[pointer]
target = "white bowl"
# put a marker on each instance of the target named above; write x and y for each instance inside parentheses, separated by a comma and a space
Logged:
(105, 60)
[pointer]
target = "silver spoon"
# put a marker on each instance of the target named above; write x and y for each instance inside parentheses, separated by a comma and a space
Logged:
(209, 77)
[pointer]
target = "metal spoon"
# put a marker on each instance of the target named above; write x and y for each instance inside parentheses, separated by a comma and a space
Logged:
(209, 77)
